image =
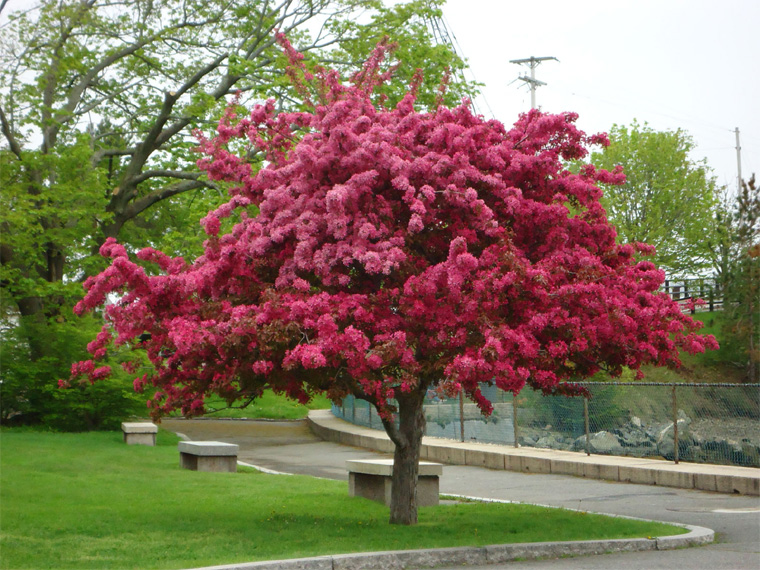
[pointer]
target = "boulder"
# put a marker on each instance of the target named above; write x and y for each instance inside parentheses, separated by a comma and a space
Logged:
(550, 442)
(631, 436)
(606, 443)
(665, 443)
(579, 444)
(527, 441)
(751, 453)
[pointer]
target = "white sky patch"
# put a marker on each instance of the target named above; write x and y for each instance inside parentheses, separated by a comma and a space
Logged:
(688, 64)
(672, 63)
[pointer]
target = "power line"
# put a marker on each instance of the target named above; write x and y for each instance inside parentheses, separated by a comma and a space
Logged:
(443, 35)
(641, 109)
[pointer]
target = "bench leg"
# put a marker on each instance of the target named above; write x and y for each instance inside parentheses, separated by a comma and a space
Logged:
(140, 439)
(212, 463)
(373, 487)
(427, 491)
(187, 461)
(378, 488)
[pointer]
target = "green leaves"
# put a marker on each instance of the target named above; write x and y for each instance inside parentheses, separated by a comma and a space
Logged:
(668, 199)
(738, 255)
(408, 26)
(50, 203)
(99, 102)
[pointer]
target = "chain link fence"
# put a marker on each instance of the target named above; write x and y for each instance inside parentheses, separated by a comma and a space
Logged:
(703, 423)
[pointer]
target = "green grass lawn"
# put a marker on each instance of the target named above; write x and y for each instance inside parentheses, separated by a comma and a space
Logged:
(89, 501)
(269, 405)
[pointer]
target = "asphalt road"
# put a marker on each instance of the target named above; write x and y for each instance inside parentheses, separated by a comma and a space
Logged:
(290, 447)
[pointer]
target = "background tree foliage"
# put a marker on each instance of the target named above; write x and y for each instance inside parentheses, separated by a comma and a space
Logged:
(668, 200)
(736, 244)
(98, 102)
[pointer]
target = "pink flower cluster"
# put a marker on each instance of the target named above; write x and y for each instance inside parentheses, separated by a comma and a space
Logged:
(394, 250)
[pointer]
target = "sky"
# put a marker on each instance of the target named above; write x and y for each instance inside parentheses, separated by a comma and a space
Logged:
(691, 65)
(673, 64)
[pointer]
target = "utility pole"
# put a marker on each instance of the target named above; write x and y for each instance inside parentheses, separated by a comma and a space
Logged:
(738, 163)
(532, 62)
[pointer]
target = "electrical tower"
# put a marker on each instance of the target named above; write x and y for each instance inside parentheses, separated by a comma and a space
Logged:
(532, 62)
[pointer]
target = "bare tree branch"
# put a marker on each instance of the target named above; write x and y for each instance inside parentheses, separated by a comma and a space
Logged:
(12, 142)
(145, 202)
(157, 136)
(178, 174)
(76, 93)
(100, 154)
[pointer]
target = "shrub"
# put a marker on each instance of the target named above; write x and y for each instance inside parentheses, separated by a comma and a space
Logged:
(29, 393)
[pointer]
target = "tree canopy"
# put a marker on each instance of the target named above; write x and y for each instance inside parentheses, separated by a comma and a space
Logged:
(386, 252)
(668, 198)
(98, 101)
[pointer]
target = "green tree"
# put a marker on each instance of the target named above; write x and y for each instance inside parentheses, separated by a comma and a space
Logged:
(98, 102)
(416, 51)
(737, 259)
(668, 200)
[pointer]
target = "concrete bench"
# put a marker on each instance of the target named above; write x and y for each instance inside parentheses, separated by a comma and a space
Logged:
(139, 433)
(371, 479)
(208, 456)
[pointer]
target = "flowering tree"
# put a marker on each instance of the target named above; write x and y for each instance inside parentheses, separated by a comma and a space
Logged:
(383, 252)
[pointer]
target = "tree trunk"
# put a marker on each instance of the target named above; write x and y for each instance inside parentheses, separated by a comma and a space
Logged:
(32, 320)
(408, 440)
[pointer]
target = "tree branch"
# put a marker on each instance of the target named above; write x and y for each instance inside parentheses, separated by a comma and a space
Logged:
(12, 142)
(75, 95)
(100, 154)
(163, 136)
(178, 174)
(50, 131)
(393, 433)
(142, 204)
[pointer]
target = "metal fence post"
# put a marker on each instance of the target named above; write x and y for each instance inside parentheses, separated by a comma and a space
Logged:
(585, 422)
(514, 419)
(675, 425)
(461, 416)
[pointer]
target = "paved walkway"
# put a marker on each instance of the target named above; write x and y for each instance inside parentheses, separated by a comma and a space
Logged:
(705, 477)
(291, 447)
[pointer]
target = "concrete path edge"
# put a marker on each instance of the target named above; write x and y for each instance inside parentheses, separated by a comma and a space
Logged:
(480, 556)
(727, 479)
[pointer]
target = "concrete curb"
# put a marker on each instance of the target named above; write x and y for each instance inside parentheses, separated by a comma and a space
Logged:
(480, 556)
(703, 477)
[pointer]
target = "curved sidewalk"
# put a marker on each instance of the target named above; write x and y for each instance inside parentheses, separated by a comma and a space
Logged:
(704, 477)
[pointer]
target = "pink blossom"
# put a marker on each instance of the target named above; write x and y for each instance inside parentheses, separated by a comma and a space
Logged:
(394, 251)
(415, 225)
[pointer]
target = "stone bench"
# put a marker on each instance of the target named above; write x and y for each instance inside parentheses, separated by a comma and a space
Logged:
(371, 479)
(139, 433)
(208, 456)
